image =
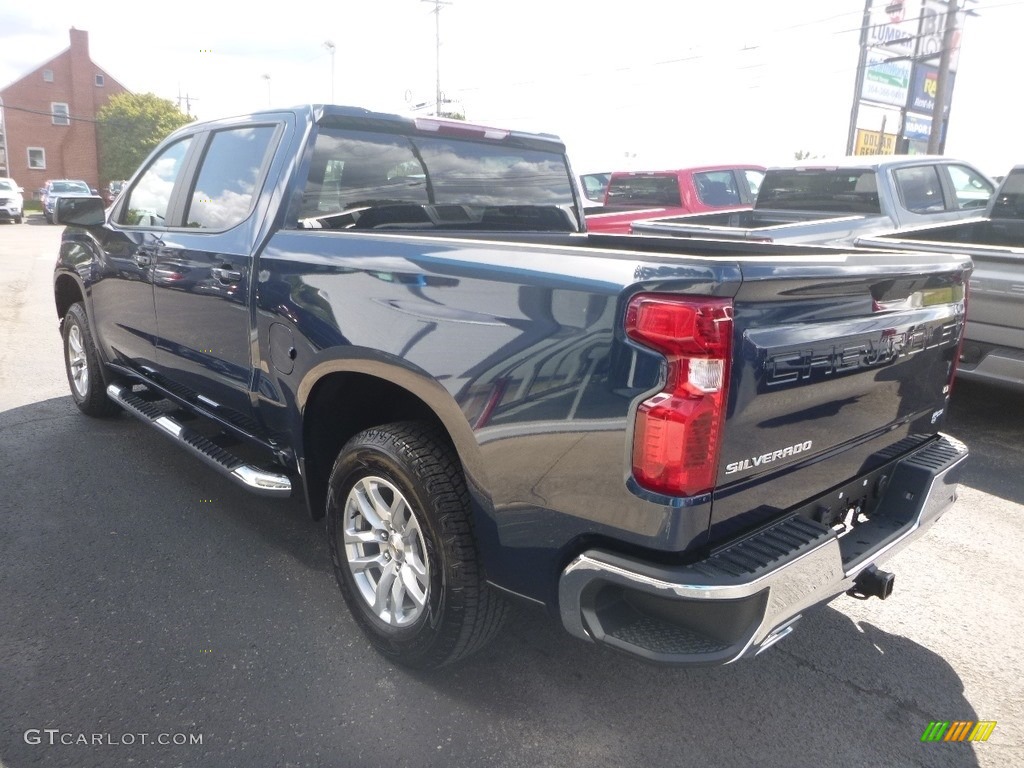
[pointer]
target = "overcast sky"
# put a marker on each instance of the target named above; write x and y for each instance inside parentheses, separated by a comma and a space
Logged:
(640, 84)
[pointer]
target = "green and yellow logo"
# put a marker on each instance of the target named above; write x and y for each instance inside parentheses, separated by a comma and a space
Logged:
(958, 730)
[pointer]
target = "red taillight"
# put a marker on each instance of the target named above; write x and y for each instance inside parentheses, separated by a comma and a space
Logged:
(679, 430)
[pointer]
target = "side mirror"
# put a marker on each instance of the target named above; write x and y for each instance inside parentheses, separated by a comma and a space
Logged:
(80, 211)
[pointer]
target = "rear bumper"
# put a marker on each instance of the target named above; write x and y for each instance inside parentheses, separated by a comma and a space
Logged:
(749, 594)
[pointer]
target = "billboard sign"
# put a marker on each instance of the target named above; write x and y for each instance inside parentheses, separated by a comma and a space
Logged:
(917, 127)
(924, 85)
(886, 82)
(873, 143)
(893, 29)
(933, 31)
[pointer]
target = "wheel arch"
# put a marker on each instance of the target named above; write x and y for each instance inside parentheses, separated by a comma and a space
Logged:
(67, 290)
(339, 398)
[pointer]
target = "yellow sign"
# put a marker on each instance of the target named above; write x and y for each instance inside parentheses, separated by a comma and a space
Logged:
(867, 143)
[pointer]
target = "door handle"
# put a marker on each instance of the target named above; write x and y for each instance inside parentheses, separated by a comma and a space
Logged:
(226, 274)
(143, 256)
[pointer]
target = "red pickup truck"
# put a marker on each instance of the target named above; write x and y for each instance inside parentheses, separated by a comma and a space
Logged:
(634, 195)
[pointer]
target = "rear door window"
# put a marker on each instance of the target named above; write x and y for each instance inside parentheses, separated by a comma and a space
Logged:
(229, 177)
(919, 189)
(717, 188)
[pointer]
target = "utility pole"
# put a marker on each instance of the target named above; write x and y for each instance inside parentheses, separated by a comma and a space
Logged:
(188, 99)
(329, 45)
(939, 108)
(437, 44)
(862, 63)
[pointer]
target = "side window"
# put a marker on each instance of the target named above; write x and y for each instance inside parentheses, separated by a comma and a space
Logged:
(717, 188)
(228, 177)
(919, 189)
(754, 179)
(147, 202)
(971, 188)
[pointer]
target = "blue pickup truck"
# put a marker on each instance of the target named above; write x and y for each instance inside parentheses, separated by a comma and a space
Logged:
(676, 446)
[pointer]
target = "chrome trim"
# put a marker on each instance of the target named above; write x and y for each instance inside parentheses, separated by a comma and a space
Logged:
(811, 578)
(169, 426)
(250, 478)
(262, 482)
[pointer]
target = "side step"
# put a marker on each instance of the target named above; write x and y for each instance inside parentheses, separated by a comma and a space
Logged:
(251, 478)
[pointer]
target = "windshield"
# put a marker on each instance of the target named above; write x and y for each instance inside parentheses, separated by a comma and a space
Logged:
(391, 181)
(6, 185)
(826, 189)
(69, 186)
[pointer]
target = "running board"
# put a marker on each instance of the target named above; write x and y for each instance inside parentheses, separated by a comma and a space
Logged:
(251, 478)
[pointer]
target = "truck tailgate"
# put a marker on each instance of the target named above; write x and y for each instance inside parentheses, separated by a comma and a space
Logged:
(833, 366)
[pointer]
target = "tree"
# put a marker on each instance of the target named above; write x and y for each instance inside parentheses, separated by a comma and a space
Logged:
(801, 154)
(129, 126)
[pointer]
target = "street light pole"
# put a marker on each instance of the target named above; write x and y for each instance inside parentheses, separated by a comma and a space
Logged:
(437, 46)
(329, 45)
(267, 78)
(862, 62)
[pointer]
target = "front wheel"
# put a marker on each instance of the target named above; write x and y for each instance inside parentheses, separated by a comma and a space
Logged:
(82, 363)
(401, 539)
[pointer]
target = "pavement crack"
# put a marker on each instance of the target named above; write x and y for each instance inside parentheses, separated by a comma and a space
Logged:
(861, 689)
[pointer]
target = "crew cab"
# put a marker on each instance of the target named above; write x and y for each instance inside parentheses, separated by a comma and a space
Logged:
(993, 349)
(837, 201)
(636, 195)
(677, 447)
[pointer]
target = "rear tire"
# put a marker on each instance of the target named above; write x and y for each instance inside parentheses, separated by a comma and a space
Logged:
(401, 538)
(83, 367)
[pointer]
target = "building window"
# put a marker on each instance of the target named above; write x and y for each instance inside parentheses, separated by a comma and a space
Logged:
(47, 75)
(99, 81)
(36, 158)
(59, 113)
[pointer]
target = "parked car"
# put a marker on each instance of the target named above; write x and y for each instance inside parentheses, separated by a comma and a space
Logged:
(57, 188)
(678, 447)
(12, 203)
(113, 190)
(837, 201)
(636, 195)
(993, 348)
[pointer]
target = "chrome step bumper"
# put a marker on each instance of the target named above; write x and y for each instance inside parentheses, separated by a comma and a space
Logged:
(251, 478)
(748, 595)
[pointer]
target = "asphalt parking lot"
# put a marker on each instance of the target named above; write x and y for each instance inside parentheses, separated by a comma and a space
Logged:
(142, 596)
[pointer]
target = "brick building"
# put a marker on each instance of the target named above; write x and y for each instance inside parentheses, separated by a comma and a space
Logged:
(49, 128)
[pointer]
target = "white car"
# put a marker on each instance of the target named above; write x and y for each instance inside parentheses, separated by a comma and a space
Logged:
(12, 204)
